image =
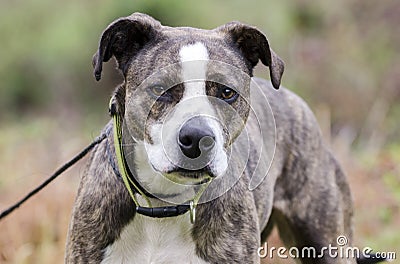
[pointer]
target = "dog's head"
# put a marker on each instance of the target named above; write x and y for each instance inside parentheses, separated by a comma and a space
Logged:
(186, 91)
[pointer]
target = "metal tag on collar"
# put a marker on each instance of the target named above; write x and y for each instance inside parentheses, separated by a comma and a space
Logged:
(192, 211)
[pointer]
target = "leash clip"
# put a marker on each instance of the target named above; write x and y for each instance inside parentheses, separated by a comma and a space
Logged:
(192, 212)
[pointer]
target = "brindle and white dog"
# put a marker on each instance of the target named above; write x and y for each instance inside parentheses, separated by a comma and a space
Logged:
(186, 102)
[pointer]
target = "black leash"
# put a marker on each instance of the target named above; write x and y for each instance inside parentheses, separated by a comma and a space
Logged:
(55, 175)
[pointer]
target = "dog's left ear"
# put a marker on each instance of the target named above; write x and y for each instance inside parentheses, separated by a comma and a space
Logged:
(254, 46)
(122, 39)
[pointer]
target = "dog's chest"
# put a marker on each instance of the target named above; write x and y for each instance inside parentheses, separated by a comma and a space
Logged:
(157, 241)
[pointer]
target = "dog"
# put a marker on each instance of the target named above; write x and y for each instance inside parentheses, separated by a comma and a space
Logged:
(219, 156)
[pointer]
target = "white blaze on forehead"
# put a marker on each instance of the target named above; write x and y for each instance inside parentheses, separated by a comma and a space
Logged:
(194, 60)
(192, 52)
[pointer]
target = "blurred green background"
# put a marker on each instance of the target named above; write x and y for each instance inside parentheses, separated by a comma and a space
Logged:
(342, 57)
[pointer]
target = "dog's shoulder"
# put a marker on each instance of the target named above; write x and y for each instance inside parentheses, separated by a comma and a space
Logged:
(95, 215)
(282, 101)
(293, 117)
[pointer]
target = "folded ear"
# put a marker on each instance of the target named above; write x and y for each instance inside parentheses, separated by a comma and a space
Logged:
(122, 39)
(254, 46)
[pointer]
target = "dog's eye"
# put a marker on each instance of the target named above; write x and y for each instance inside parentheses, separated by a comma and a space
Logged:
(227, 94)
(160, 93)
(157, 90)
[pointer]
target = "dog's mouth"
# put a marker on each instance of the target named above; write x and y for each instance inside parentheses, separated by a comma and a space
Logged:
(186, 176)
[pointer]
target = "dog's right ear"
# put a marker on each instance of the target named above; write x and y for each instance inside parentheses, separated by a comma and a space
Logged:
(122, 39)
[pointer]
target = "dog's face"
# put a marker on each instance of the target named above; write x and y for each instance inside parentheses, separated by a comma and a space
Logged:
(186, 92)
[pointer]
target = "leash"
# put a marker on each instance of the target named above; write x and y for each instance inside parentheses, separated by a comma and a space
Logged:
(133, 186)
(129, 181)
(55, 175)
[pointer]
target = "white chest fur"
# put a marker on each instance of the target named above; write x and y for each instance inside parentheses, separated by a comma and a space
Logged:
(156, 241)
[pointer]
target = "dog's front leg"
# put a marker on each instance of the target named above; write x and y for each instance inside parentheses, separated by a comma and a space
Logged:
(102, 208)
(226, 229)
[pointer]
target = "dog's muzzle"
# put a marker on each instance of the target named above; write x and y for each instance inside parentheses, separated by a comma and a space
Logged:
(196, 141)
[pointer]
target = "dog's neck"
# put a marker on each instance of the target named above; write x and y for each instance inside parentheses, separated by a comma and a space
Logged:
(166, 191)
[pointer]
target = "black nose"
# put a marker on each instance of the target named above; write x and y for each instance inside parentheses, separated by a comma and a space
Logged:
(196, 138)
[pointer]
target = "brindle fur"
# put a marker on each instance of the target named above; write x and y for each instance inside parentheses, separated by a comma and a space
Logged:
(305, 192)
